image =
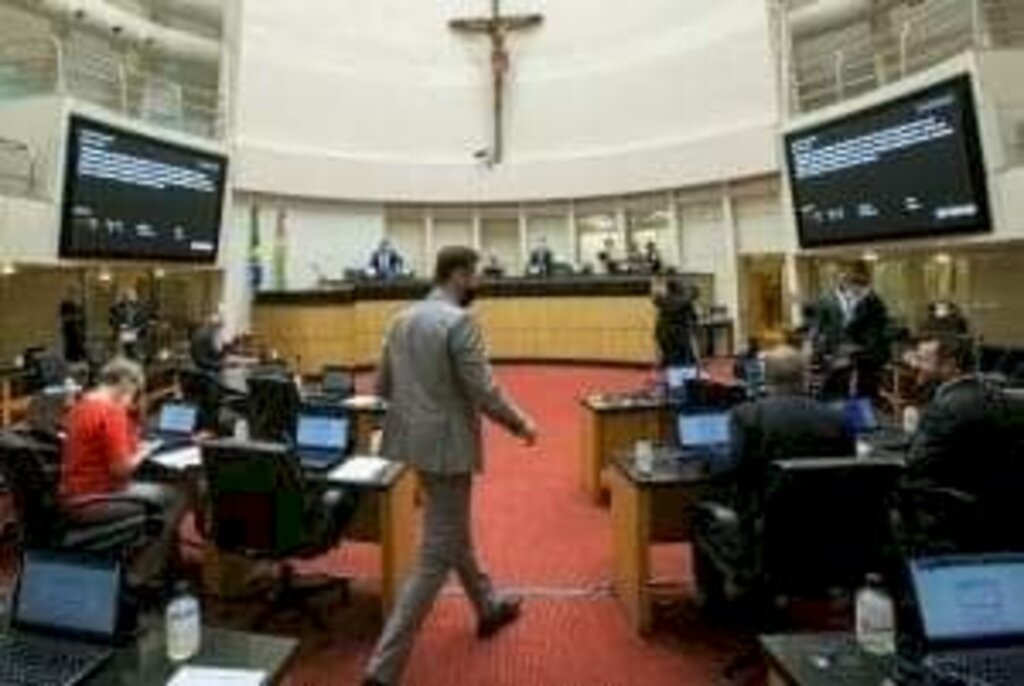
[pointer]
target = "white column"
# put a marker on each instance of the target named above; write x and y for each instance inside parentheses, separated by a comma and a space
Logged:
(574, 235)
(675, 226)
(729, 288)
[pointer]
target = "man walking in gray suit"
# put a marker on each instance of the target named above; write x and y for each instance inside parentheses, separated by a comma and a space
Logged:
(438, 382)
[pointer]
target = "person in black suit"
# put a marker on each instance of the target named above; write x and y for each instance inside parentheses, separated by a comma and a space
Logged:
(676, 326)
(964, 438)
(542, 260)
(785, 424)
(129, 319)
(72, 327)
(850, 336)
(386, 262)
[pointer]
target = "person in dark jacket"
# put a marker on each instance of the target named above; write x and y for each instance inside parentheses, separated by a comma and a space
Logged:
(72, 327)
(676, 326)
(785, 424)
(850, 336)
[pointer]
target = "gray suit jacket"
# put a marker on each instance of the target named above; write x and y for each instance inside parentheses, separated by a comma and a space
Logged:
(437, 381)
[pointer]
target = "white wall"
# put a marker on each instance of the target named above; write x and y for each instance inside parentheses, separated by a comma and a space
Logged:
(380, 101)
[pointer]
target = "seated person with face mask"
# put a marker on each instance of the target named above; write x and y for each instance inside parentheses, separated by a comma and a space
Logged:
(786, 424)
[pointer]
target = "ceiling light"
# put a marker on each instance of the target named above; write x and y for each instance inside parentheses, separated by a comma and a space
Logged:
(870, 256)
(944, 258)
(8, 269)
(105, 276)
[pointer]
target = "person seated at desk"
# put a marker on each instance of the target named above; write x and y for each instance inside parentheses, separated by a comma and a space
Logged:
(786, 424)
(129, 320)
(101, 453)
(493, 269)
(542, 259)
(207, 346)
(652, 261)
(965, 442)
(386, 262)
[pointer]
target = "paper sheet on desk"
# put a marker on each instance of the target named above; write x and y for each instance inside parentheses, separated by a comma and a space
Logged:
(359, 470)
(180, 459)
(209, 676)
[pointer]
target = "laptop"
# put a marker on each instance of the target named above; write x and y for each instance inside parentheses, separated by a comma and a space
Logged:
(176, 427)
(704, 436)
(970, 617)
(321, 439)
(64, 616)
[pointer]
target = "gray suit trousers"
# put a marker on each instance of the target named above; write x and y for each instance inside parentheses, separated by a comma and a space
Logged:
(447, 546)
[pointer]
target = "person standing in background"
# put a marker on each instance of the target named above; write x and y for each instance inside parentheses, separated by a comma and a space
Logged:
(676, 326)
(385, 262)
(437, 382)
(129, 320)
(608, 257)
(542, 260)
(72, 327)
(851, 336)
(207, 345)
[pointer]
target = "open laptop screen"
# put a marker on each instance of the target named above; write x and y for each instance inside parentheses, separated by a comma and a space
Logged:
(67, 593)
(178, 418)
(967, 598)
(322, 432)
(704, 430)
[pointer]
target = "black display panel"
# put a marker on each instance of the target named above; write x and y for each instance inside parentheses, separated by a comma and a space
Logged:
(909, 168)
(129, 196)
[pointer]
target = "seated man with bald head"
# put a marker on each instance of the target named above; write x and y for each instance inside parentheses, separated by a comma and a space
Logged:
(786, 424)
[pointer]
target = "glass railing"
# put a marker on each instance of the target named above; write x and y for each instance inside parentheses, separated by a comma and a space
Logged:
(41, 64)
(821, 72)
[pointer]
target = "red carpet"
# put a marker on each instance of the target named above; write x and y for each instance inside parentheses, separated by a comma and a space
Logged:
(536, 532)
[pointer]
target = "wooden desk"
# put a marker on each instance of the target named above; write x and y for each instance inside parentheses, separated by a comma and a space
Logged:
(612, 425)
(823, 659)
(647, 509)
(571, 319)
(386, 517)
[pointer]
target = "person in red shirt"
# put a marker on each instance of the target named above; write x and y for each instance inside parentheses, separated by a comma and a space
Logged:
(101, 453)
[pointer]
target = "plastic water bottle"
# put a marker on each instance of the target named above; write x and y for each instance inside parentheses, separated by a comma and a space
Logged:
(184, 626)
(875, 618)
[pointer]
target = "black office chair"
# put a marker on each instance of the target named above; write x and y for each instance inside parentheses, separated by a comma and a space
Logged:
(273, 408)
(261, 507)
(824, 526)
(218, 406)
(110, 524)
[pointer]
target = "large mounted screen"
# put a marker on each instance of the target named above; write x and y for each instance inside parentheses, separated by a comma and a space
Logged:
(129, 196)
(909, 168)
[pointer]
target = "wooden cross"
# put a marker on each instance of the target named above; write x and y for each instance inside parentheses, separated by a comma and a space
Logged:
(498, 27)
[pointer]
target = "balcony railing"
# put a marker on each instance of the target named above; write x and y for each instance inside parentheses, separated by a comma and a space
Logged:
(828, 69)
(42, 64)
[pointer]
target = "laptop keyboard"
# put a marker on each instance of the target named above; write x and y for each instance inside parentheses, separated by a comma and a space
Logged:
(34, 661)
(994, 667)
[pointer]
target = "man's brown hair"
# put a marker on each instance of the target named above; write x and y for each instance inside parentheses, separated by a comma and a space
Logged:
(454, 258)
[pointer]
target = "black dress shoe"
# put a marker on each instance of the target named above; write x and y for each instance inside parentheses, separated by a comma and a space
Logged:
(504, 612)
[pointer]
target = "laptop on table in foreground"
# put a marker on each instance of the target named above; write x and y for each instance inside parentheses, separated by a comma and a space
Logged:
(970, 618)
(705, 436)
(176, 427)
(322, 439)
(65, 614)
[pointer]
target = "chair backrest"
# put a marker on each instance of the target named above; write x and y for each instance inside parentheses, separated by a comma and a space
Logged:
(826, 522)
(33, 488)
(256, 497)
(274, 404)
(203, 390)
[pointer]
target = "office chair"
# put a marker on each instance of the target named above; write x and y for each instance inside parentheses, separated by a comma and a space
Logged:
(824, 525)
(218, 406)
(261, 507)
(273, 408)
(110, 524)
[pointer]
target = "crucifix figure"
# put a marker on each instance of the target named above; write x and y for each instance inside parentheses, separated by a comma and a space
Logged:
(498, 27)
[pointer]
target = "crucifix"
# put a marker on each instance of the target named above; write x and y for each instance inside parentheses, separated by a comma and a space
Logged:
(497, 27)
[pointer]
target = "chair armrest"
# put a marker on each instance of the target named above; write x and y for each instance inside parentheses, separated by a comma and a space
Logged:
(716, 512)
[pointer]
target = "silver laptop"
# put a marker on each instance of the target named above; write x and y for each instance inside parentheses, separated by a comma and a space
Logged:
(971, 617)
(322, 440)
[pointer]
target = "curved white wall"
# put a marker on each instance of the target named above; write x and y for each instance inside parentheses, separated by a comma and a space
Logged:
(380, 101)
